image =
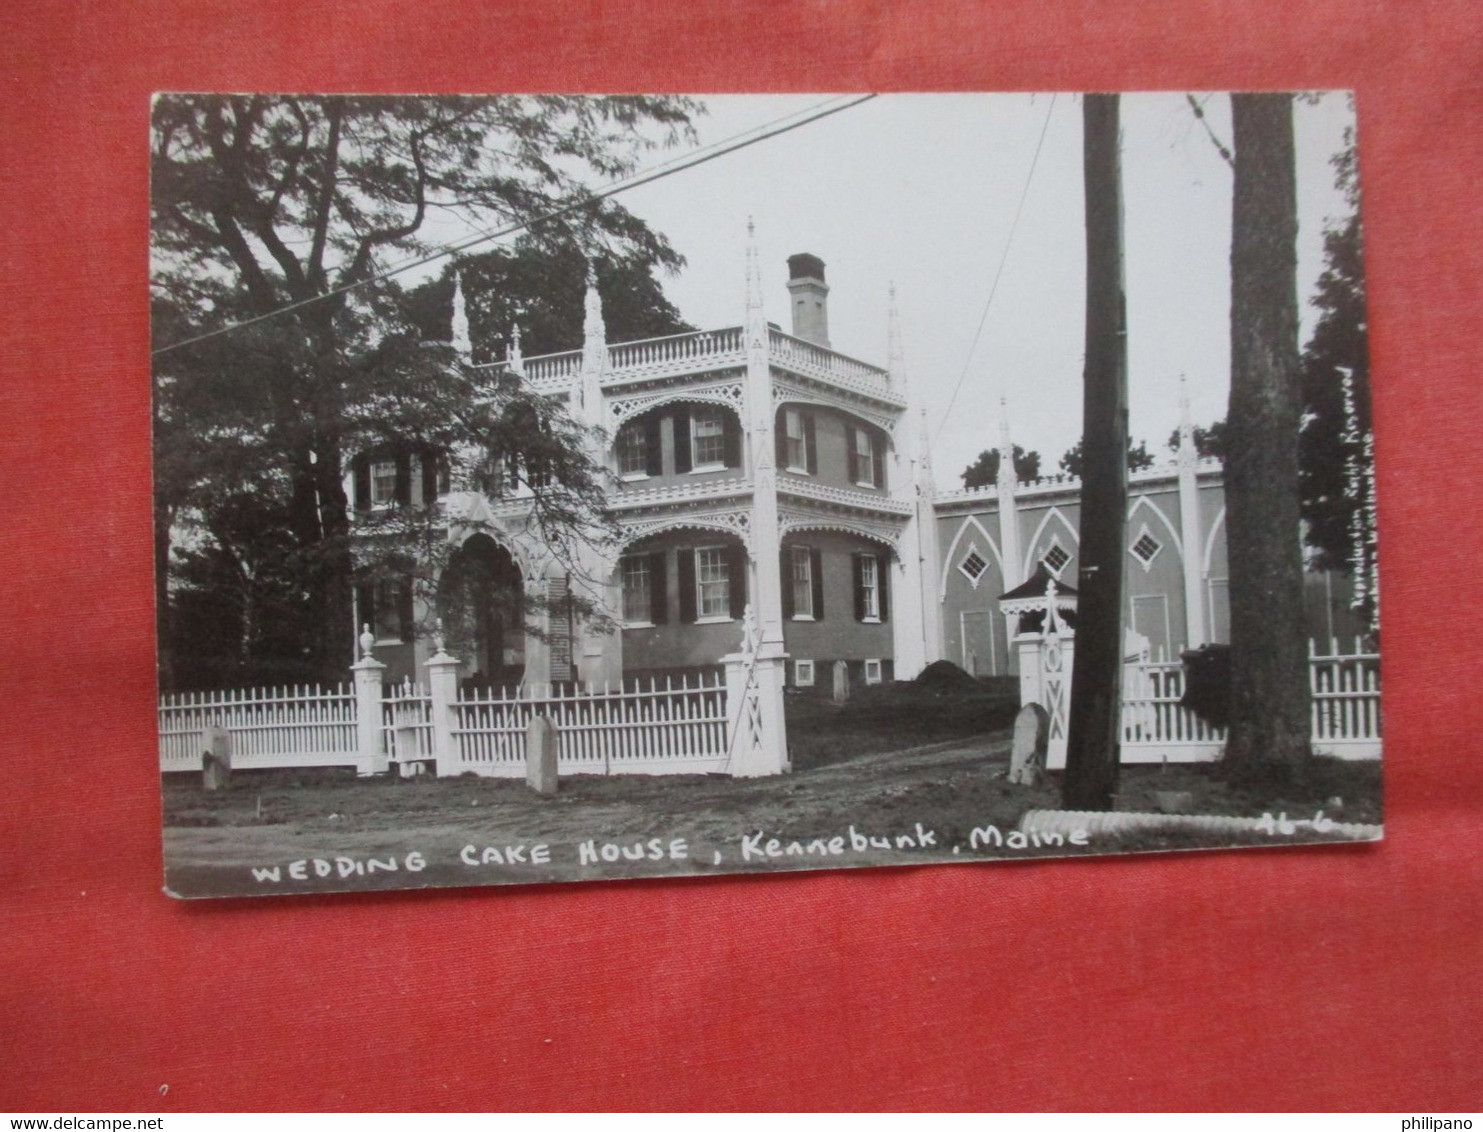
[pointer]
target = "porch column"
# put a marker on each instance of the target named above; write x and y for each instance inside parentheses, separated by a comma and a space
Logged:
(596, 657)
(916, 617)
(767, 596)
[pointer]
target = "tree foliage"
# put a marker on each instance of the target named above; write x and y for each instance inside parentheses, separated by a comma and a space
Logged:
(286, 210)
(984, 471)
(539, 285)
(1139, 457)
(1210, 440)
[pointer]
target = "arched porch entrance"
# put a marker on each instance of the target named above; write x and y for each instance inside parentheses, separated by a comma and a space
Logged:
(481, 600)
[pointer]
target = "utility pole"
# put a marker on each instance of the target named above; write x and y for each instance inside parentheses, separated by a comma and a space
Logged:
(1096, 694)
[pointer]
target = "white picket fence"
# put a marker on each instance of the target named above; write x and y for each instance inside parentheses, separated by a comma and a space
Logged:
(296, 726)
(669, 727)
(1346, 710)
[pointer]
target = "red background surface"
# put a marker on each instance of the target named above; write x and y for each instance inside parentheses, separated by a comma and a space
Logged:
(1299, 978)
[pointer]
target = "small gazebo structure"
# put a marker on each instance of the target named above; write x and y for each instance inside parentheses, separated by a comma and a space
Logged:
(1024, 607)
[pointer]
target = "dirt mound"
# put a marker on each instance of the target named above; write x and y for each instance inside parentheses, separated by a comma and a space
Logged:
(944, 676)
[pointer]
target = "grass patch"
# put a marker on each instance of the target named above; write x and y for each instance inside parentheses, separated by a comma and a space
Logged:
(893, 717)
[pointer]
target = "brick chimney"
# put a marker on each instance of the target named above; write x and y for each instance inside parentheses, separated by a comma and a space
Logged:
(810, 298)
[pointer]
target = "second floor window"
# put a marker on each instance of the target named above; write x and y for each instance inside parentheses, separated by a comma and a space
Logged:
(383, 483)
(633, 450)
(797, 448)
(708, 437)
(862, 460)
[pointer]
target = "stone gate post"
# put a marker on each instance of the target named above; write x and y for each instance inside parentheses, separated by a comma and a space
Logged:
(370, 738)
(442, 686)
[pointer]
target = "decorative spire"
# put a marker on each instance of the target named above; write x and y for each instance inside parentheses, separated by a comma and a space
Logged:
(754, 271)
(925, 483)
(513, 354)
(461, 341)
(1188, 453)
(895, 356)
(593, 327)
(1006, 448)
(594, 351)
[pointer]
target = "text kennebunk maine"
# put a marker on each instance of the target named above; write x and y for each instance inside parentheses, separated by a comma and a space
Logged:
(754, 847)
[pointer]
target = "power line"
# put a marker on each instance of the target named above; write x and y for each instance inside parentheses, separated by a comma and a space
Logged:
(993, 289)
(653, 173)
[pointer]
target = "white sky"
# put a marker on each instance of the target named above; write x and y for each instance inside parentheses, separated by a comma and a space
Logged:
(922, 189)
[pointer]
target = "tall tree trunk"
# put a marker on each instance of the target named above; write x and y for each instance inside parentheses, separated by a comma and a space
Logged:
(320, 503)
(1092, 741)
(1270, 726)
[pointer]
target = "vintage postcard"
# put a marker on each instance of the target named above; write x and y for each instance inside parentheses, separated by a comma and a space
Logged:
(555, 488)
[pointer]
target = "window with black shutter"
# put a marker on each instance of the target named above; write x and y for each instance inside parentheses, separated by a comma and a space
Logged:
(851, 447)
(685, 560)
(816, 577)
(403, 478)
(731, 441)
(810, 445)
(682, 439)
(654, 454)
(362, 470)
(431, 477)
(785, 572)
(736, 576)
(658, 587)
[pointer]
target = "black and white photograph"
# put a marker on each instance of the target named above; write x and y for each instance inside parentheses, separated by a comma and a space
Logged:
(559, 487)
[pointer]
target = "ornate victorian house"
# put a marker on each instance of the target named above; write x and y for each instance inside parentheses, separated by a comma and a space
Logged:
(752, 467)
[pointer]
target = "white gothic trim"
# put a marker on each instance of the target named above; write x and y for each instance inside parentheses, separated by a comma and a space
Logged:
(787, 393)
(792, 522)
(1144, 501)
(947, 561)
(1030, 556)
(737, 523)
(730, 395)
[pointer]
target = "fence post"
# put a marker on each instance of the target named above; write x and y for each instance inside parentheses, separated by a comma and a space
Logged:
(442, 685)
(370, 744)
(756, 730)
(540, 755)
